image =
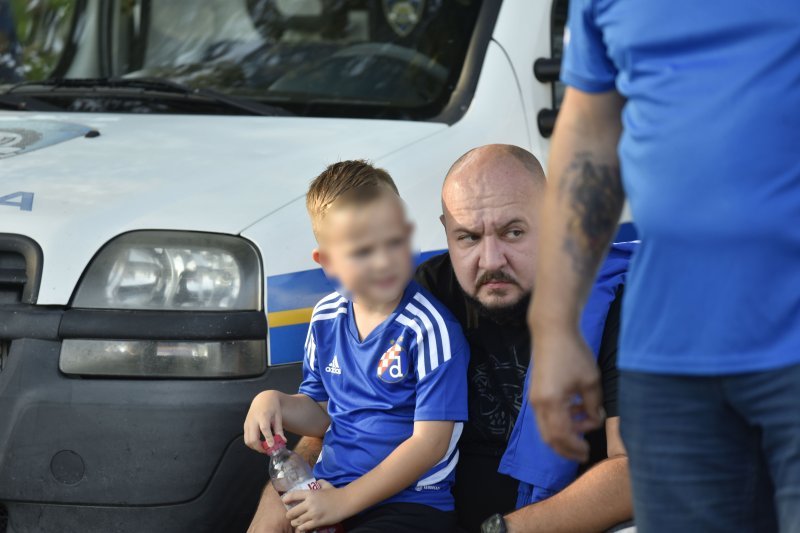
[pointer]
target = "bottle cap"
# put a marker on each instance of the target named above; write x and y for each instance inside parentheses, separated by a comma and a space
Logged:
(278, 444)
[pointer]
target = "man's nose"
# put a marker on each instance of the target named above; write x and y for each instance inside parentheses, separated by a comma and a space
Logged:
(492, 255)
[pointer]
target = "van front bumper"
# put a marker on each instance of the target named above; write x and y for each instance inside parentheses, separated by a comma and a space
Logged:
(100, 454)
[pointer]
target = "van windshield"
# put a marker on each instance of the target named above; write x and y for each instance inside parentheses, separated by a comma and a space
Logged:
(379, 58)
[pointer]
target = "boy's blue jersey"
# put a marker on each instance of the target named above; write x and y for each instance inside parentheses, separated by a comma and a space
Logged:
(412, 367)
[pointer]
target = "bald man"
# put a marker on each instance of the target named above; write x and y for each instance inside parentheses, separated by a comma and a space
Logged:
(490, 205)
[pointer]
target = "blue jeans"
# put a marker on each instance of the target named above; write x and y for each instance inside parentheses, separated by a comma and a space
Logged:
(713, 453)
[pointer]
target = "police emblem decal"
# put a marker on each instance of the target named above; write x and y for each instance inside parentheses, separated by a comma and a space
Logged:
(403, 15)
(21, 136)
(390, 366)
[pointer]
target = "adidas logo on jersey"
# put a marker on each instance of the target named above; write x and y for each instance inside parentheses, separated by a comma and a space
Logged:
(334, 367)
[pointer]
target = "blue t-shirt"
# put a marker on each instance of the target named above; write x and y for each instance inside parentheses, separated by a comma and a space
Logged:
(710, 158)
(412, 367)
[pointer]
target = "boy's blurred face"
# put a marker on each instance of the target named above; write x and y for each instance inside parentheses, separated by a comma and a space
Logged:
(367, 247)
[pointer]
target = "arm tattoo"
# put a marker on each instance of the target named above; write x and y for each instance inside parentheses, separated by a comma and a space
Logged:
(594, 196)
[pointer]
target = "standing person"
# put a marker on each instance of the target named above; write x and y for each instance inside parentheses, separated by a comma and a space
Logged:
(692, 109)
(384, 377)
(490, 200)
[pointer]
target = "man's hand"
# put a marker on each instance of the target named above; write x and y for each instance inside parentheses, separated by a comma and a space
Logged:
(264, 417)
(271, 514)
(565, 390)
(317, 508)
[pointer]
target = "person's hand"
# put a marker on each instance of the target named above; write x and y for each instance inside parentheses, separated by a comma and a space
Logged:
(565, 390)
(263, 418)
(271, 514)
(314, 509)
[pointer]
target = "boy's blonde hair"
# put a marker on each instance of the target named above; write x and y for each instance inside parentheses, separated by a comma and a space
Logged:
(355, 181)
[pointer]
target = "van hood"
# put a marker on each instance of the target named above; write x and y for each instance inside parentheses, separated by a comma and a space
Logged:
(90, 177)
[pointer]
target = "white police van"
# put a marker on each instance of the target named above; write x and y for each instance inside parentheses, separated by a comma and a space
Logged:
(155, 269)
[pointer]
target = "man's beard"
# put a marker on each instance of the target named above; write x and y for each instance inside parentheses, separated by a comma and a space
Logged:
(511, 313)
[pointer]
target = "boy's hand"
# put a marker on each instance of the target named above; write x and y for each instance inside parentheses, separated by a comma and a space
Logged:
(316, 508)
(264, 417)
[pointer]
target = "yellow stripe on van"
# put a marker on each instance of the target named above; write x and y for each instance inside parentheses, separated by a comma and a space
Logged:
(290, 317)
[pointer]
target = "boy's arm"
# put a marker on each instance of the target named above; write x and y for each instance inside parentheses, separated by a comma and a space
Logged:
(403, 467)
(304, 413)
(271, 411)
(304, 416)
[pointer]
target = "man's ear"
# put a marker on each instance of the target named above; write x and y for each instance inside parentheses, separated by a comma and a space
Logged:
(410, 229)
(441, 219)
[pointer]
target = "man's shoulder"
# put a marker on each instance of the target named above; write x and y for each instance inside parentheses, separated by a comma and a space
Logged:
(437, 277)
(435, 271)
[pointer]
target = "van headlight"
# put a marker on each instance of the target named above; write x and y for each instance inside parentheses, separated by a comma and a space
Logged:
(168, 270)
(169, 277)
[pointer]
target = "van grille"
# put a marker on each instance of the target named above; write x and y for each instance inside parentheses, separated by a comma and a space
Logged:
(20, 269)
(12, 277)
(5, 346)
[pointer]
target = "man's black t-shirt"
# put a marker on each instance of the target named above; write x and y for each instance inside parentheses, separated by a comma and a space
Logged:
(499, 357)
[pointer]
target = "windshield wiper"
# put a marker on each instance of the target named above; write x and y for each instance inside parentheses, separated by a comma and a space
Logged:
(16, 102)
(152, 85)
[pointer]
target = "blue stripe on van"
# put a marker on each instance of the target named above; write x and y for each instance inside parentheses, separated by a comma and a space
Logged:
(299, 290)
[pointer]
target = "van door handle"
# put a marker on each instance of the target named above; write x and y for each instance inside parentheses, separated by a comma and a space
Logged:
(547, 69)
(546, 120)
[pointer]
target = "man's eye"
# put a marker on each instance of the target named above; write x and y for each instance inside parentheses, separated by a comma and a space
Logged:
(514, 233)
(361, 252)
(467, 237)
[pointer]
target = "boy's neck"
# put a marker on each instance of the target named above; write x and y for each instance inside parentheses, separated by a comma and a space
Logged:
(369, 314)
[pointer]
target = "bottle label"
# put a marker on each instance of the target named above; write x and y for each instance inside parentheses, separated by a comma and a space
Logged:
(309, 484)
(313, 484)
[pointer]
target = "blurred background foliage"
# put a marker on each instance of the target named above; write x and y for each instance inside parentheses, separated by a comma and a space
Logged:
(33, 35)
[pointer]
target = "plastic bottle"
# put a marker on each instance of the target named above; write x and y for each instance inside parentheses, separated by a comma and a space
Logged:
(290, 472)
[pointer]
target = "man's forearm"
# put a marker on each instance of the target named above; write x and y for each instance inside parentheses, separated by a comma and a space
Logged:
(581, 207)
(580, 212)
(596, 501)
(309, 449)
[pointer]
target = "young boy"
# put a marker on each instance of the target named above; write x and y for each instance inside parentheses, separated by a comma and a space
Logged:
(384, 376)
